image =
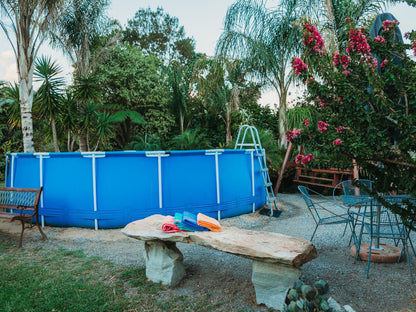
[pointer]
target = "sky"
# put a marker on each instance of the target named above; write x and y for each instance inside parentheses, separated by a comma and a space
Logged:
(202, 19)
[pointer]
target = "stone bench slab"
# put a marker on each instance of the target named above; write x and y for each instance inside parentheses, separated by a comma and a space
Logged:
(277, 258)
(255, 245)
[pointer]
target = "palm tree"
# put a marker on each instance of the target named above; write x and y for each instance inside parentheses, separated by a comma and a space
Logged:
(264, 40)
(49, 95)
(26, 22)
(11, 101)
(77, 33)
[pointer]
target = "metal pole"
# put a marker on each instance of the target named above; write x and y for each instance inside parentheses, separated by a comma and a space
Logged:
(159, 169)
(94, 189)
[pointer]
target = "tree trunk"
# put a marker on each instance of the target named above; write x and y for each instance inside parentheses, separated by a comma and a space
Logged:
(282, 119)
(25, 70)
(331, 17)
(68, 144)
(181, 121)
(54, 135)
(228, 137)
(82, 142)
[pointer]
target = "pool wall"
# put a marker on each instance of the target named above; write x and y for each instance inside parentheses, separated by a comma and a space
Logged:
(111, 189)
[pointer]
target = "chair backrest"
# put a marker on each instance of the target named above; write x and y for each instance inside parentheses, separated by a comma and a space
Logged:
(309, 202)
(350, 189)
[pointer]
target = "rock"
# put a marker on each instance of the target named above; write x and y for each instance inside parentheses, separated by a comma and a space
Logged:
(271, 282)
(164, 263)
(348, 308)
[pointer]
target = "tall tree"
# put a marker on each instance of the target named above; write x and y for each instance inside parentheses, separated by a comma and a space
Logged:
(25, 27)
(48, 98)
(79, 32)
(130, 85)
(264, 40)
(158, 33)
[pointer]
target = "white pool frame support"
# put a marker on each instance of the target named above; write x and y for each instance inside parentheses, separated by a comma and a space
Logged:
(159, 155)
(41, 156)
(94, 156)
(216, 152)
(253, 187)
(12, 173)
(12, 170)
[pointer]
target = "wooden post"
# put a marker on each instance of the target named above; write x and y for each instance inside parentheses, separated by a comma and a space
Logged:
(282, 170)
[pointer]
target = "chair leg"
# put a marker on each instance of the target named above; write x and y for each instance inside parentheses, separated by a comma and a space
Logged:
(21, 234)
(40, 228)
(411, 243)
(369, 255)
(313, 234)
(406, 250)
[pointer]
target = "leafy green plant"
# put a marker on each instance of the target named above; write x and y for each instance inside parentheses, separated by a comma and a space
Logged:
(190, 140)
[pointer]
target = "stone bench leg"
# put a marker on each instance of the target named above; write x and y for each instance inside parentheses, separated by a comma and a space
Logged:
(272, 281)
(164, 262)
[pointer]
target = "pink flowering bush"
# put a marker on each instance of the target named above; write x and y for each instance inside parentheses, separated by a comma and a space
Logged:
(365, 97)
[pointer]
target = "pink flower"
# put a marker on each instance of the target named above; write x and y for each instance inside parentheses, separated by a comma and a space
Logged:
(292, 134)
(337, 142)
(383, 63)
(388, 24)
(313, 38)
(346, 72)
(309, 80)
(322, 103)
(340, 128)
(303, 159)
(298, 158)
(379, 39)
(358, 42)
(305, 122)
(322, 126)
(306, 159)
(345, 60)
(298, 65)
(336, 58)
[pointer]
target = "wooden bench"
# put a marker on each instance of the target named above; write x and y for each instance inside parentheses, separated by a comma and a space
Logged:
(329, 178)
(277, 258)
(20, 204)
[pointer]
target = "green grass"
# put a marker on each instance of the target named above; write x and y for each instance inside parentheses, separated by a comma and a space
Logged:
(61, 280)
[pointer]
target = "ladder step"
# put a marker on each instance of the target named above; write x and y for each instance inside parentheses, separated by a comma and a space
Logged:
(264, 169)
(268, 184)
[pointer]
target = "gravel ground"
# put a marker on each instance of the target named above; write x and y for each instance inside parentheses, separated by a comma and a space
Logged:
(227, 278)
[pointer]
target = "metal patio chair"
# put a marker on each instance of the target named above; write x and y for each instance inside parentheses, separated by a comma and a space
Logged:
(324, 211)
(355, 205)
(383, 224)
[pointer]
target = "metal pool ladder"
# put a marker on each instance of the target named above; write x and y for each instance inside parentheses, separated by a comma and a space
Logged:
(248, 138)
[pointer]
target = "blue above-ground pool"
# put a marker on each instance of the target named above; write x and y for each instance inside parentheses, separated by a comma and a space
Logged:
(111, 189)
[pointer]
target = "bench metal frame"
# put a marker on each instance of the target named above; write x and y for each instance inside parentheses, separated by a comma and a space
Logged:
(21, 204)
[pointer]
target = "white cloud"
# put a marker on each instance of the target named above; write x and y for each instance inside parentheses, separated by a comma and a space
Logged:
(8, 69)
